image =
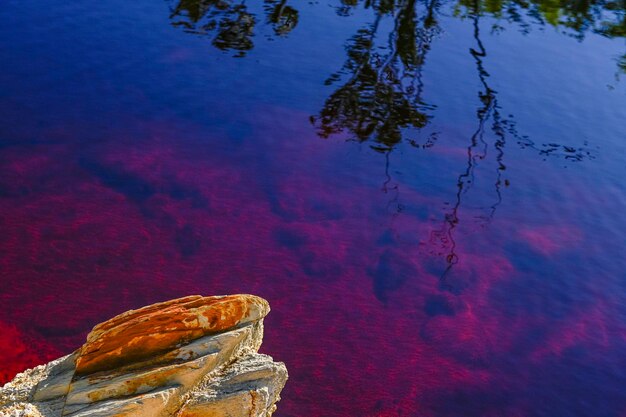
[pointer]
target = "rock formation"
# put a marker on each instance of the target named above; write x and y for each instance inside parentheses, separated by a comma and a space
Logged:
(190, 357)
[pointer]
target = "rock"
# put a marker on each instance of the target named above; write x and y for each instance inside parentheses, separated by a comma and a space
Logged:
(248, 386)
(190, 357)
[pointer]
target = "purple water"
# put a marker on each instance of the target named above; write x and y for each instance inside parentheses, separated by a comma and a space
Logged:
(430, 195)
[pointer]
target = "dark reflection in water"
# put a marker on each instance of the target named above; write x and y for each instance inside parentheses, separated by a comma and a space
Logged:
(381, 95)
(388, 84)
(381, 92)
(489, 116)
(229, 23)
(381, 88)
(379, 98)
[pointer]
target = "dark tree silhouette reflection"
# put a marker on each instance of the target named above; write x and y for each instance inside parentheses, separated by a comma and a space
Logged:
(380, 97)
(379, 91)
(575, 18)
(230, 24)
(281, 16)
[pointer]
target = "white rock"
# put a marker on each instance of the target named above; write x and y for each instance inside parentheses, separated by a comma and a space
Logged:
(213, 375)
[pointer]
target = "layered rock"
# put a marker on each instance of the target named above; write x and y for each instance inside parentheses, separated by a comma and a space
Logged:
(190, 357)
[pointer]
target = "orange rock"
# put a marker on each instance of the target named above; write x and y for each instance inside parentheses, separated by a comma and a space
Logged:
(138, 335)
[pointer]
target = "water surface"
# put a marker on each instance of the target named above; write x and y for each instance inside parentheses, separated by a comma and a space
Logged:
(429, 193)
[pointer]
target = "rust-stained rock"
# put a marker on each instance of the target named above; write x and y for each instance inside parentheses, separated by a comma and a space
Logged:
(138, 335)
(165, 359)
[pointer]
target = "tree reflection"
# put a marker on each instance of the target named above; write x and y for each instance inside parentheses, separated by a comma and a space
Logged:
(489, 117)
(380, 96)
(379, 91)
(576, 18)
(230, 24)
(281, 16)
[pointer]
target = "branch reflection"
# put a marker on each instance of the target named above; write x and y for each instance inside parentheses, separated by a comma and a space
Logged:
(380, 99)
(379, 91)
(476, 151)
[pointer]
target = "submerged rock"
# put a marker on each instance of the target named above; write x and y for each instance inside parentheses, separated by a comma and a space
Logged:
(190, 357)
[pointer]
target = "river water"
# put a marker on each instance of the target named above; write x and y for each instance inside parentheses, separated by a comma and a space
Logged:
(429, 193)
